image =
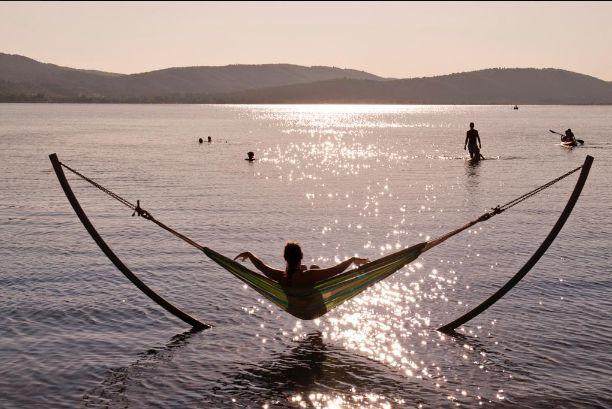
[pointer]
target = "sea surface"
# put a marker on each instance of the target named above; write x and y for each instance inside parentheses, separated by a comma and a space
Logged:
(341, 180)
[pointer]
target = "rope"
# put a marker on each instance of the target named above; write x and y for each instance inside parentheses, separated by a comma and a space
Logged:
(136, 208)
(527, 195)
(496, 210)
(102, 188)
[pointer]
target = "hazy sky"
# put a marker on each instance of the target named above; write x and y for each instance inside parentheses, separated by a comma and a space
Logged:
(388, 39)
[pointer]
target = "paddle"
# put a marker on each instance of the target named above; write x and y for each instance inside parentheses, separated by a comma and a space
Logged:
(580, 141)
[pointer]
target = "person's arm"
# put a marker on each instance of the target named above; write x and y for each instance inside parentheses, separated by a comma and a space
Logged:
(268, 271)
(466, 141)
(321, 274)
(478, 138)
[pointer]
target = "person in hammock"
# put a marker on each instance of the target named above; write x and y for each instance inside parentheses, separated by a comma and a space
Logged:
(297, 280)
(296, 274)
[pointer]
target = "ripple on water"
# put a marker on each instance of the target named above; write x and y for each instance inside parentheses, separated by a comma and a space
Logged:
(341, 180)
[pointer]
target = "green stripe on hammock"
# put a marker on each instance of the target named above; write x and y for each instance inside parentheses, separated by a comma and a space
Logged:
(313, 302)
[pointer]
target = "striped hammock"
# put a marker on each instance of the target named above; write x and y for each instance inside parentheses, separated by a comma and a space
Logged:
(312, 302)
(315, 301)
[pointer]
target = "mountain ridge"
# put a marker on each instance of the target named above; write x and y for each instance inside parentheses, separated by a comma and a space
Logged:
(23, 79)
(19, 74)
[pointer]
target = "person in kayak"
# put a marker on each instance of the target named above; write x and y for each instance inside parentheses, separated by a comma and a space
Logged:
(569, 136)
(472, 143)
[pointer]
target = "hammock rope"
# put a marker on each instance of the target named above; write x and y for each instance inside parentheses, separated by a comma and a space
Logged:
(311, 302)
(494, 211)
(499, 209)
(99, 186)
(535, 191)
(135, 207)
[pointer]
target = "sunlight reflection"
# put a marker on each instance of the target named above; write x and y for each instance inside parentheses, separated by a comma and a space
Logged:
(390, 323)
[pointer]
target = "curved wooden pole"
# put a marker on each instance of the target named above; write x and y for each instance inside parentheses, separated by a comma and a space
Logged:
(450, 327)
(57, 167)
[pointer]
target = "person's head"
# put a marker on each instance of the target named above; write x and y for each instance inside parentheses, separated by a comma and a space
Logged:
(209, 139)
(200, 140)
(293, 256)
(250, 155)
(471, 125)
(568, 131)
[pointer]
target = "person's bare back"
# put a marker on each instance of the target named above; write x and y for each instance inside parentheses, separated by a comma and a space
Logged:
(296, 274)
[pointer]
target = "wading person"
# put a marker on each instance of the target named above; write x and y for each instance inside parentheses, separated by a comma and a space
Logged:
(472, 143)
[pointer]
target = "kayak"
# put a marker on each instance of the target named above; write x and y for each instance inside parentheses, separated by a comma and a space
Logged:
(569, 144)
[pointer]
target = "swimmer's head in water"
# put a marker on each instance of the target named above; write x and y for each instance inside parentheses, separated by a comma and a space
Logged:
(293, 256)
(471, 125)
(200, 140)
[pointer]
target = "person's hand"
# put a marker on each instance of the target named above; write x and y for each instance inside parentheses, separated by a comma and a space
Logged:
(360, 261)
(465, 147)
(243, 256)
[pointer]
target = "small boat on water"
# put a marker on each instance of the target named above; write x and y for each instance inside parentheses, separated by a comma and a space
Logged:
(568, 141)
(569, 144)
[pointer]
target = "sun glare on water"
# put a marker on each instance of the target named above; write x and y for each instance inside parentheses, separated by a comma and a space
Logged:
(390, 323)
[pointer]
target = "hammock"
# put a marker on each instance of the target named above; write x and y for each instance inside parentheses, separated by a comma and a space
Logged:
(315, 301)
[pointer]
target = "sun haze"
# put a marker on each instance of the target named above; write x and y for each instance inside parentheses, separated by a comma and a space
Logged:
(387, 39)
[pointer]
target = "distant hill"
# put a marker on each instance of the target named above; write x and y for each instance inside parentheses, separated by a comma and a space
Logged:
(491, 86)
(23, 79)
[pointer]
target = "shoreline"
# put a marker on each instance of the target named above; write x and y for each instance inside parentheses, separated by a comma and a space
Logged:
(299, 103)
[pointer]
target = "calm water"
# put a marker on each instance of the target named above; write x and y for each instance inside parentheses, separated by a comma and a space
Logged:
(341, 180)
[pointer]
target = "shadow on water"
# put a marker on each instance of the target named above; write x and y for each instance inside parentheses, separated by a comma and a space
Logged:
(472, 172)
(493, 354)
(472, 166)
(111, 391)
(495, 357)
(314, 374)
(310, 374)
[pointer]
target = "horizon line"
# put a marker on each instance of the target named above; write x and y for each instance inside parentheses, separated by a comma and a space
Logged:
(297, 65)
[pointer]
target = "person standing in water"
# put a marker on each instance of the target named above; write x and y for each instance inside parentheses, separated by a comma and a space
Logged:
(472, 143)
